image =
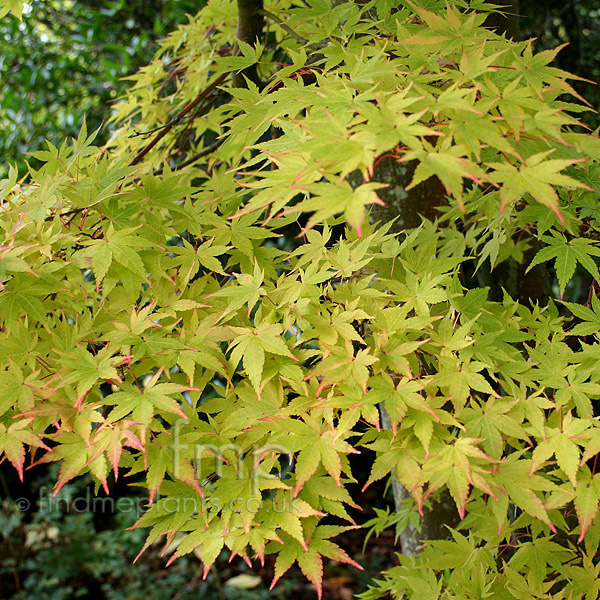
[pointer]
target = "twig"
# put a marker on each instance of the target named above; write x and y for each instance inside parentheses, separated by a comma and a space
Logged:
(150, 131)
(191, 583)
(174, 73)
(193, 159)
(283, 25)
(218, 582)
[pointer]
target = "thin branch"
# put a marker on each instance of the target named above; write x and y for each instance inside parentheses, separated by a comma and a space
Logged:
(184, 111)
(190, 584)
(204, 152)
(284, 26)
(151, 131)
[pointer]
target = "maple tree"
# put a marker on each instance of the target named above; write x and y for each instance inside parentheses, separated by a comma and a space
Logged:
(206, 301)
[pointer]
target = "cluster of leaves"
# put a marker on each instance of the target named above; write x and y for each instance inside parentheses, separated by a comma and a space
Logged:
(148, 301)
(575, 24)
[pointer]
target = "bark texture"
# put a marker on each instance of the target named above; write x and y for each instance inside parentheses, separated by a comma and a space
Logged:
(510, 276)
(407, 207)
(410, 538)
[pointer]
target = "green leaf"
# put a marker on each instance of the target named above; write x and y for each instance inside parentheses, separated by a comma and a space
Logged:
(586, 501)
(567, 253)
(13, 6)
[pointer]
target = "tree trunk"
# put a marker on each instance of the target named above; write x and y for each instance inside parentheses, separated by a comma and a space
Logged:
(407, 208)
(249, 30)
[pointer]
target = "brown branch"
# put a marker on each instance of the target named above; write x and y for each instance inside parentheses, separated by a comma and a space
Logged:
(184, 111)
(193, 159)
(284, 26)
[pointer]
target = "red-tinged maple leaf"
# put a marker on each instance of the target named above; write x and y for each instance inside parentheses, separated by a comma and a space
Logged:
(586, 502)
(311, 564)
(12, 442)
(309, 559)
(111, 439)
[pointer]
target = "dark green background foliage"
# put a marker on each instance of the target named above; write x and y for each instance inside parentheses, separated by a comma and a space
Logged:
(68, 57)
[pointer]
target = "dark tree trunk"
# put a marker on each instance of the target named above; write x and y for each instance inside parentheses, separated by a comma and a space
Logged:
(407, 207)
(249, 29)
